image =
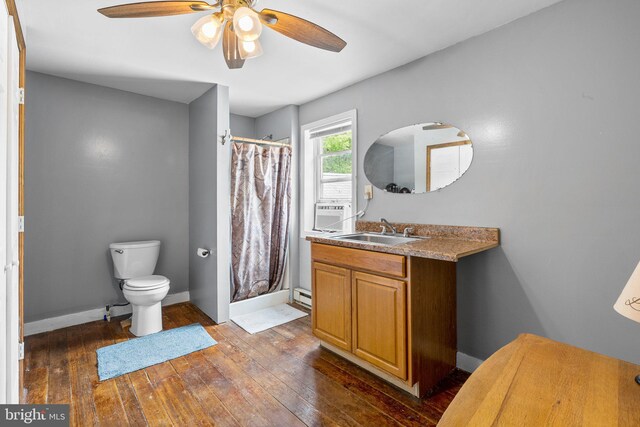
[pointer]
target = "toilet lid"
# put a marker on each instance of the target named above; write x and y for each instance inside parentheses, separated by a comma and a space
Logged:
(146, 282)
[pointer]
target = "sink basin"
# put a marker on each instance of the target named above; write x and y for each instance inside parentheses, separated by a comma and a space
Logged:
(378, 239)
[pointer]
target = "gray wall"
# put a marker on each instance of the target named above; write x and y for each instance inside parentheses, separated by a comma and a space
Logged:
(209, 208)
(102, 166)
(277, 123)
(550, 102)
(242, 126)
(202, 199)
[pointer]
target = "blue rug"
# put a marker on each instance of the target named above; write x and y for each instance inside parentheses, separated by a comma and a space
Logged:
(139, 353)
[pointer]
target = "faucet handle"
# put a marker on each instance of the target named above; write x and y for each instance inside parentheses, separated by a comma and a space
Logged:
(407, 231)
(383, 229)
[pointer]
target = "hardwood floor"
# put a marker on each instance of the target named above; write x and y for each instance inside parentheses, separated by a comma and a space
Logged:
(279, 377)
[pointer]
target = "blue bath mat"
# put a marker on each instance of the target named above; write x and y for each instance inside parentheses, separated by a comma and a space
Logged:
(139, 353)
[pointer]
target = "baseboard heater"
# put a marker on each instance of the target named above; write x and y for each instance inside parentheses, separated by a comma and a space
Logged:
(302, 296)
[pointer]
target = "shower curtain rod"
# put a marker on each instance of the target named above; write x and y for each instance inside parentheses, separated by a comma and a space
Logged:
(258, 141)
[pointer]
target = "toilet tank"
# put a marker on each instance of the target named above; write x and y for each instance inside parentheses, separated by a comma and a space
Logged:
(134, 259)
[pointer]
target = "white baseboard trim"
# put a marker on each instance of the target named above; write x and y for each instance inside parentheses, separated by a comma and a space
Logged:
(87, 316)
(467, 363)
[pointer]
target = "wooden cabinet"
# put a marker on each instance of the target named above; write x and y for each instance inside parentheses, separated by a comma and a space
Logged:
(391, 314)
(331, 317)
(379, 312)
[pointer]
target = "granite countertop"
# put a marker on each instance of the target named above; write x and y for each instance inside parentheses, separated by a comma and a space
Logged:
(443, 242)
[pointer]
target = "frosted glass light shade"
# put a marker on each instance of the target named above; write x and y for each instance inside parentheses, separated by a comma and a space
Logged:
(246, 24)
(628, 303)
(208, 30)
(249, 50)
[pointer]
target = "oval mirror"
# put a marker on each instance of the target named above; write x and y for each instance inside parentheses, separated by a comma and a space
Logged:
(418, 158)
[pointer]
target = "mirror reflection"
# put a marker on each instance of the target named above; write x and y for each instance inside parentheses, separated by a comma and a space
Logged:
(418, 158)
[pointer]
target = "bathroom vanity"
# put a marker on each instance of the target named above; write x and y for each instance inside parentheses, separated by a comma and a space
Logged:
(388, 302)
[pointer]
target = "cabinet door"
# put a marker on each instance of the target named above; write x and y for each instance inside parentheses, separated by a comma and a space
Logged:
(380, 322)
(331, 305)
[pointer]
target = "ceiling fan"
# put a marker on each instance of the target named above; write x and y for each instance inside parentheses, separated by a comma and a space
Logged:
(236, 22)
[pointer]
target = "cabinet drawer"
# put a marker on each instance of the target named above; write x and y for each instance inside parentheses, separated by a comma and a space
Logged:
(380, 263)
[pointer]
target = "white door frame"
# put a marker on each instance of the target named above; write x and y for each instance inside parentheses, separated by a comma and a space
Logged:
(4, 115)
(12, 255)
(9, 146)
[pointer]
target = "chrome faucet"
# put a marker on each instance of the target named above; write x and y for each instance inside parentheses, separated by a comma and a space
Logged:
(384, 228)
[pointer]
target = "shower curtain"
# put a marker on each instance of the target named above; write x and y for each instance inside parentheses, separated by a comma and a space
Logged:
(260, 210)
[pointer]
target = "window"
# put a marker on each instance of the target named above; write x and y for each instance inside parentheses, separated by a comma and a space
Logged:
(329, 168)
(335, 166)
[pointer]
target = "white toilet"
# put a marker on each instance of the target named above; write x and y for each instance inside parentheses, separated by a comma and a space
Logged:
(133, 264)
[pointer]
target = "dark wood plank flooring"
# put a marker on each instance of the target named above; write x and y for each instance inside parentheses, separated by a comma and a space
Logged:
(279, 377)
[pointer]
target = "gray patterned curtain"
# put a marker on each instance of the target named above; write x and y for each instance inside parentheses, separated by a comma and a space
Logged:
(260, 208)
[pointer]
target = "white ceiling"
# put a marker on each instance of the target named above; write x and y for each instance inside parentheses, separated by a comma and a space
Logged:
(159, 56)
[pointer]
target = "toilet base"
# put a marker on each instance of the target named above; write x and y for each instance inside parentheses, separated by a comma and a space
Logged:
(146, 319)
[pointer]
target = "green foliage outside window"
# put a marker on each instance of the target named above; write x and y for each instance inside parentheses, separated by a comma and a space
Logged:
(334, 144)
(337, 142)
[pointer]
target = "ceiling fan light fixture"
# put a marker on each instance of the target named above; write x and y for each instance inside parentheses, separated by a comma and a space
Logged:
(246, 24)
(249, 49)
(208, 30)
(235, 22)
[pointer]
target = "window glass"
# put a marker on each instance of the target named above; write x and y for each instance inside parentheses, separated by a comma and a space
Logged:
(337, 166)
(336, 143)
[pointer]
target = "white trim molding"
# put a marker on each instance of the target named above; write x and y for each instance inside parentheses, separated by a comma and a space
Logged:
(53, 323)
(467, 363)
(310, 170)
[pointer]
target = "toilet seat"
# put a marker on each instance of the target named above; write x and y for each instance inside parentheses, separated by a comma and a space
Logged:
(146, 283)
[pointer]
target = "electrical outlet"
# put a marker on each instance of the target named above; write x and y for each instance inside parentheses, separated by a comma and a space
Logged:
(368, 192)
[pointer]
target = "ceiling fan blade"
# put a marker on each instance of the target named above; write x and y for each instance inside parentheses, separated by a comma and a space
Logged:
(154, 8)
(230, 48)
(301, 30)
